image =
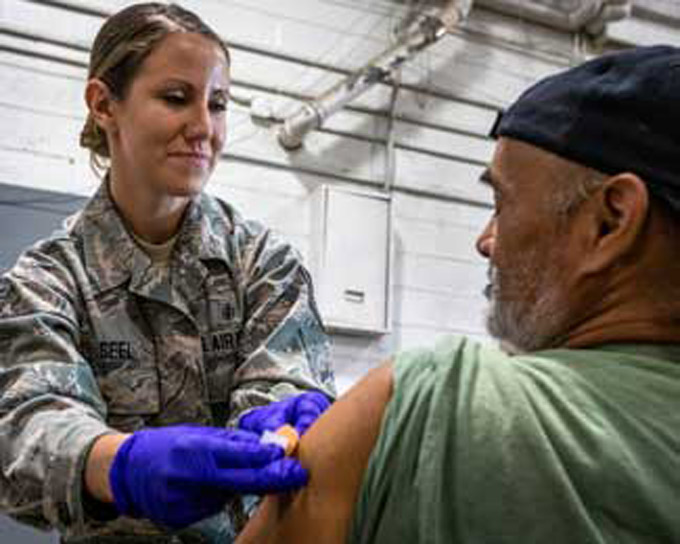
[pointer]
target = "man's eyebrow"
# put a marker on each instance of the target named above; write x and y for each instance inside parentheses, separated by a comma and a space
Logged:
(486, 178)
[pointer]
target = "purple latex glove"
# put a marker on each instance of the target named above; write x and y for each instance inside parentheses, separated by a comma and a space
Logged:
(178, 475)
(299, 411)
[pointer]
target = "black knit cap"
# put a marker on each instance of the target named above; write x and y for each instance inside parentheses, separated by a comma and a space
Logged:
(616, 113)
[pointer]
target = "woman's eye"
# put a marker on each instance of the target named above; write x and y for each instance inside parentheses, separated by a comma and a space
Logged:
(174, 98)
(218, 105)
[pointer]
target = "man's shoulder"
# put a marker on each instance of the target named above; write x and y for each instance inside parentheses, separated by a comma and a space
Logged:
(452, 354)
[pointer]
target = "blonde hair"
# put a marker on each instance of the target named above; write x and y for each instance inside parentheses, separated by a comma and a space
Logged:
(119, 49)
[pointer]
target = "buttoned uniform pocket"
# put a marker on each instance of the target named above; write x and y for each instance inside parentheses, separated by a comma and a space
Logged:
(219, 319)
(121, 353)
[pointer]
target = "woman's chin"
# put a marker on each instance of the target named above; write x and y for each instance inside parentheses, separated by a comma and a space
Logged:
(186, 188)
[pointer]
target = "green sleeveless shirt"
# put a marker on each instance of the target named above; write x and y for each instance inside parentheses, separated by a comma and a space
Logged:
(560, 446)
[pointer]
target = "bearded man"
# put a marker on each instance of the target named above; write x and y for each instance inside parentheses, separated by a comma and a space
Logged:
(572, 433)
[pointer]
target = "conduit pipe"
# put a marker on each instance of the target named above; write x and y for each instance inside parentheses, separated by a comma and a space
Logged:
(566, 15)
(313, 113)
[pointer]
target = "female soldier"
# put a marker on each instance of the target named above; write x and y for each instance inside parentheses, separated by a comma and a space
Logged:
(156, 308)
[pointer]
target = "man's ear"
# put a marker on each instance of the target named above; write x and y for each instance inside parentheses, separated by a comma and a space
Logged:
(620, 211)
(100, 102)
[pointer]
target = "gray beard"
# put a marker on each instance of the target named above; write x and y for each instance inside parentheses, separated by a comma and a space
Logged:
(522, 326)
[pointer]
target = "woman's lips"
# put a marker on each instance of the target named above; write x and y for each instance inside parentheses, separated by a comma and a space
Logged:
(198, 160)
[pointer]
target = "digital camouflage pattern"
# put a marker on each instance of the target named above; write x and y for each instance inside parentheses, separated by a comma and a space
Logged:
(95, 338)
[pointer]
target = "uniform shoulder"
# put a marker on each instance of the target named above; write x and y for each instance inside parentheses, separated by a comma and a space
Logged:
(218, 210)
(258, 248)
(47, 269)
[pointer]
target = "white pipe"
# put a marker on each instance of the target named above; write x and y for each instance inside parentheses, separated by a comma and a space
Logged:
(390, 149)
(312, 114)
(569, 17)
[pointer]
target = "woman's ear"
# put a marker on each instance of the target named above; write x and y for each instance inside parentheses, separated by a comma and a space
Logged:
(99, 100)
(621, 209)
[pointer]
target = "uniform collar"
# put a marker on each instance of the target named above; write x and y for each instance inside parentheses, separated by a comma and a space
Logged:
(113, 258)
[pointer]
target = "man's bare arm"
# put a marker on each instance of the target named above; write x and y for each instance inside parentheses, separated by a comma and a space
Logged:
(335, 451)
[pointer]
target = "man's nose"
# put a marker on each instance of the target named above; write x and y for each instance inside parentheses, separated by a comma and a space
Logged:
(487, 239)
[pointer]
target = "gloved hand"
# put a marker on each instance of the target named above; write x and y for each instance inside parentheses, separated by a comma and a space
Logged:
(178, 475)
(299, 411)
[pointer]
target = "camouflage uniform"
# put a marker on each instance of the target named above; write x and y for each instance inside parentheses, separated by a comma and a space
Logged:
(96, 339)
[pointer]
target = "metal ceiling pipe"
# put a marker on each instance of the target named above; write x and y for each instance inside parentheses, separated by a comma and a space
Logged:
(313, 113)
(570, 16)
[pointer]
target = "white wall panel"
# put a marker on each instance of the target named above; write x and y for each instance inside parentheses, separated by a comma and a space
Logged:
(408, 207)
(445, 142)
(432, 240)
(27, 86)
(445, 113)
(50, 22)
(304, 28)
(639, 31)
(420, 308)
(477, 70)
(522, 36)
(323, 152)
(44, 170)
(439, 175)
(39, 130)
(441, 275)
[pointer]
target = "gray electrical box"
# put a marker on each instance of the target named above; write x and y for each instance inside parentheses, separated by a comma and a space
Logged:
(351, 258)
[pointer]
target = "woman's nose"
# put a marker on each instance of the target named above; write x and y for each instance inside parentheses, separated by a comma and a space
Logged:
(199, 125)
